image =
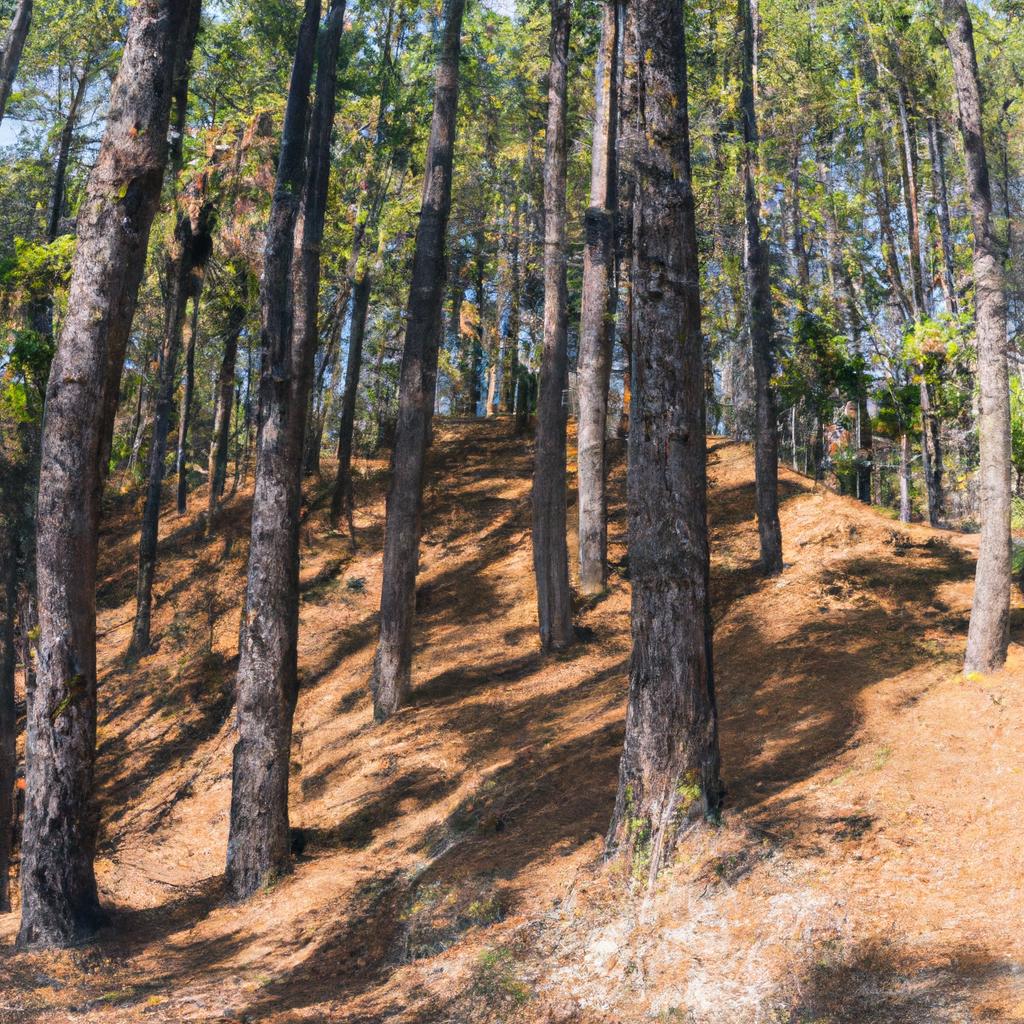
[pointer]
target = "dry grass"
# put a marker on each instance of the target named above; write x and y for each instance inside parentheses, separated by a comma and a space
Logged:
(869, 867)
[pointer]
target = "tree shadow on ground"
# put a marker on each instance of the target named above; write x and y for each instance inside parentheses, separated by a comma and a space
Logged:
(877, 982)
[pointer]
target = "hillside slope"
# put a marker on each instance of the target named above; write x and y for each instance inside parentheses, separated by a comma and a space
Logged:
(869, 867)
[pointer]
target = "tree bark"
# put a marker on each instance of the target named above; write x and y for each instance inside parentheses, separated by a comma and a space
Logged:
(8, 660)
(988, 633)
(392, 664)
(185, 264)
(550, 550)
(938, 159)
(510, 369)
(669, 772)
(188, 384)
(218, 466)
(14, 45)
(905, 478)
(759, 318)
(60, 171)
(267, 684)
(597, 321)
(60, 905)
(342, 499)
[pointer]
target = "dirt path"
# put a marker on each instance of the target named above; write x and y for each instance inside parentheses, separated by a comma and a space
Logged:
(869, 868)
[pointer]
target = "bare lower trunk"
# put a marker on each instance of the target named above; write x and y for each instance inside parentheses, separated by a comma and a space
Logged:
(392, 664)
(10, 55)
(865, 443)
(267, 685)
(597, 331)
(988, 634)
(904, 478)
(938, 160)
(669, 774)
(184, 272)
(8, 660)
(188, 384)
(342, 498)
(218, 466)
(550, 551)
(759, 320)
(931, 458)
(60, 905)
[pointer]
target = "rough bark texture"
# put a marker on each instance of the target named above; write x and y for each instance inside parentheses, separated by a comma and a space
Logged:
(904, 478)
(10, 55)
(60, 169)
(550, 550)
(391, 670)
(342, 498)
(267, 685)
(759, 319)
(188, 384)
(987, 636)
(185, 264)
(597, 331)
(669, 772)
(218, 466)
(8, 660)
(59, 899)
(938, 159)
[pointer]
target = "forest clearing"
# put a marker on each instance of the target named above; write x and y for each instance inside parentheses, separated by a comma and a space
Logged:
(451, 863)
(511, 512)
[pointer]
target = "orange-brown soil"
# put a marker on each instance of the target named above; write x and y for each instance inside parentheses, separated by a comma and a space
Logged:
(870, 866)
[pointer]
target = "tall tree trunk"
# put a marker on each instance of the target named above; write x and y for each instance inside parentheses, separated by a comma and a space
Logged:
(988, 633)
(218, 466)
(10, 55)
(759, 317)
(185, 263)
(597, 320)
(8, 660)
(267, 684)
(931, 449)
(510, 369)
(904, 477)
(60, 905)
(392, 664)
(342, 499)
(669, 772)
(320, 399)
(550, 550)
(188, 385)
(938, 159)
(60, 170)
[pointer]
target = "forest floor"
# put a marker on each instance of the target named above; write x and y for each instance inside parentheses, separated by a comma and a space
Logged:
(869, 868)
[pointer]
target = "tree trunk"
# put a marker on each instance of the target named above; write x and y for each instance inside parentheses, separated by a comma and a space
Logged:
(10, 56)
(597, 321)
(8, 722)
(60, 905)
(60, 171)
(392, 664)
(267, 685)
(550, 550)
(510, 370)
(938, 159)
(191, 249)
(188, 384)
(759, 318)
(988, 633)
(218, 466)
(342, 500)
(904, 478)
(669, 772)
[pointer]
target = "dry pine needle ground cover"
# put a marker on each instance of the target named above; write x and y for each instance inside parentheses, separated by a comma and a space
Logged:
(869, 868)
